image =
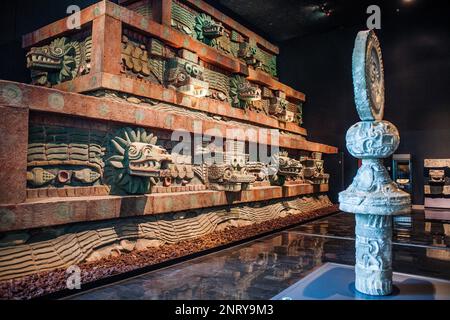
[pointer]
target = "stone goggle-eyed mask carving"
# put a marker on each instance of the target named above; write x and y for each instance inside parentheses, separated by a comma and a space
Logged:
(289, 166)
(187, 78)
(46, 57)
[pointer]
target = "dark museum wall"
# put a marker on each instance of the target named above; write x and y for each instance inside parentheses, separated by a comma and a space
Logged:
(416, 52)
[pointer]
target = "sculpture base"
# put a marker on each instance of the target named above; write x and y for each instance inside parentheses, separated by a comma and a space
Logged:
(333, 281)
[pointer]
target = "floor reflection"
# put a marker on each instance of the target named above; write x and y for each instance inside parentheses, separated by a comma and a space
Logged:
(263, 268)
(412, 229)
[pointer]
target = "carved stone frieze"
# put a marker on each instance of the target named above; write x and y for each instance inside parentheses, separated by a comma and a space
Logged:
(135, 57)
(437, 177)
(61, 157)
(134, 162)
(289, 169)
(436, 163)
(313, 170)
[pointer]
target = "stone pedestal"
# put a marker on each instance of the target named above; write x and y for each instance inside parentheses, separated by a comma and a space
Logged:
(373, 245)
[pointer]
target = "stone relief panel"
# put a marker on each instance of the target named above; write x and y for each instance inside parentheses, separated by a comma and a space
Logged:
(373, 253)
(206, 29)
(186, 77)
(289, 170)
(135, 164)
(368, 77)
(125, 160)
(60, 247)
(313, 169)
(149, 59)
(144, 57)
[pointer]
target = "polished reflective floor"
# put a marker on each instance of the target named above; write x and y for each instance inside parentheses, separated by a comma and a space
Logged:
(263, 268)
(334, 281)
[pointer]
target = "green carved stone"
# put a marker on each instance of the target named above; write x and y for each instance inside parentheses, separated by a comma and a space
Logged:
(207, 30)
(257, 58)
(219, 84)
(183, 19)
(61, 60)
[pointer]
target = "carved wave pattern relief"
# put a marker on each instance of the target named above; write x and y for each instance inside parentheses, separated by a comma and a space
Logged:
(90, 242)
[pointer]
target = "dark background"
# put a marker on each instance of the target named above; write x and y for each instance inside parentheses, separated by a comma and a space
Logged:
(315, 58)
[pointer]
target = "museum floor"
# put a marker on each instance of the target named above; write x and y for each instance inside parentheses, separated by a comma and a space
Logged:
(263, 268)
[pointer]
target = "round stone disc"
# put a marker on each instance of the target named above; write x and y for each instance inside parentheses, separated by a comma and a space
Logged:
(368, 76)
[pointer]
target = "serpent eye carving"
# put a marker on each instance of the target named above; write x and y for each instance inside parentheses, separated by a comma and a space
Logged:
(195, 71)
(188, 68)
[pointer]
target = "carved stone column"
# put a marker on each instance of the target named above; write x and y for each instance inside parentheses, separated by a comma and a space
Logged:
(372, 196)
(373, 266)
